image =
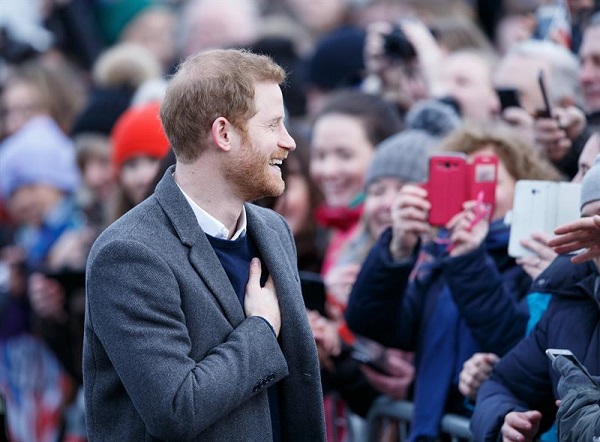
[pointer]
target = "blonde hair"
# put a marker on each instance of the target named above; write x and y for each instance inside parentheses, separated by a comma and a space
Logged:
(519, 158)
(126, 64)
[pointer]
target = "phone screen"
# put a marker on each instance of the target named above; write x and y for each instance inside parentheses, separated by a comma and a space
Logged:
(509, 97)
(313, 291)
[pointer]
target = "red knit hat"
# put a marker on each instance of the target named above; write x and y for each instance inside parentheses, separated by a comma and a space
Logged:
(138, 132)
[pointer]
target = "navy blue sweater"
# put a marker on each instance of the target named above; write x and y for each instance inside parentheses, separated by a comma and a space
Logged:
(235, 257)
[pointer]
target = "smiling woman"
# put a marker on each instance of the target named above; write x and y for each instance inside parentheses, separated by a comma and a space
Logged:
(344, 137)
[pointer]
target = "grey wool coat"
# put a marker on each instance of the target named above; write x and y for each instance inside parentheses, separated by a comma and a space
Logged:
(168, 351)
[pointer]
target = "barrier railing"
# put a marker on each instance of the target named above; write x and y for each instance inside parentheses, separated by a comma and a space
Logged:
(387, 409)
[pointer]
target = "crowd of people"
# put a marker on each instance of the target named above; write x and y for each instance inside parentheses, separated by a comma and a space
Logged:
(117, 116)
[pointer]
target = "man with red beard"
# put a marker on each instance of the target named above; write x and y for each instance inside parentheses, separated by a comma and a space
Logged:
(195, 325)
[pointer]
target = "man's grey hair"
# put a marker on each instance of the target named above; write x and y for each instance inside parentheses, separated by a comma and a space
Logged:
(562, 81)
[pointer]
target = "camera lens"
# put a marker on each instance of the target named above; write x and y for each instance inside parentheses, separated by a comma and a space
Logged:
(397, 46)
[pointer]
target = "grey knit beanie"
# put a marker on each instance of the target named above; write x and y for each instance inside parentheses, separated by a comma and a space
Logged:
(590, 186)
(404, 155)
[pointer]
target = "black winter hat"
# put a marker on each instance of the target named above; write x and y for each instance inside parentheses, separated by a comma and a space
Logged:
(104, 107)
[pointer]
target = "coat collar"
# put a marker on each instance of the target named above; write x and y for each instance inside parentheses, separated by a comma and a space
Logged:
(201, 254)
(204, 259)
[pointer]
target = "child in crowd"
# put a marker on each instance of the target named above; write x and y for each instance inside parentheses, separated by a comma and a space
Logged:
(139, 143)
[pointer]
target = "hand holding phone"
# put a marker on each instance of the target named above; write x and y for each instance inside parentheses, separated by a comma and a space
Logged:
(453, 180)
(469, 228)
(554, 353)
(369, 352)
(409, 220)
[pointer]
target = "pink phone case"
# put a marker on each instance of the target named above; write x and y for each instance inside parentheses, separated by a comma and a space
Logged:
(453, 181)
(447, 187)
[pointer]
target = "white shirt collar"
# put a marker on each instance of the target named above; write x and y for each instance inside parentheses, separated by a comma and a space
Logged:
(212, 226)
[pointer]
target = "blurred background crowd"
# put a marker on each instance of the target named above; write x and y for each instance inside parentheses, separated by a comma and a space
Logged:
(374, 87)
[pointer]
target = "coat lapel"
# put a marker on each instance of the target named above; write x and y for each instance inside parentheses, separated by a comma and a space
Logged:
(283, 268)
(272, 251)
(202, 256)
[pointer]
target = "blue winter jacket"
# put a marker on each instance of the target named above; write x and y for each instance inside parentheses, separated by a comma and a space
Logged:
(443, 308)
(524, 378)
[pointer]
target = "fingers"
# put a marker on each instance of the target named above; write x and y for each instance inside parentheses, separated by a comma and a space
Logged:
(591, 253)
(532, 265)
(563, 365)
(544, 255)
(262, 301)
(409, 220)
(519, 117)
(392, 386)
(476, 370)
(463, 218)
(583, 233)
(255, 270)
(588, 223)
(411, 205)
(46, 296)
(552, 138)
(467, 230)
(413, 196)
(520, 426)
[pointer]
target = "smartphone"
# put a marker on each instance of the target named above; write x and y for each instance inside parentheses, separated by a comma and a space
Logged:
(370, 353)
(509, 97)
(484, 179)
(553, 353)
(313, 291)
(540, 206)
(453, 180)
(447, 187)
(547, 111)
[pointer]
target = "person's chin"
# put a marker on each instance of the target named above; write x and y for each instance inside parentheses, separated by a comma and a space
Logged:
(272, 189)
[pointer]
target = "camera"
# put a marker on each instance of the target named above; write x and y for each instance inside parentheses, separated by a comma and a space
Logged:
(397, 46)
(15, 51)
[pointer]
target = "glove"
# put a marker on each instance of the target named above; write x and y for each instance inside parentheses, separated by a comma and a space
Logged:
(572, 378)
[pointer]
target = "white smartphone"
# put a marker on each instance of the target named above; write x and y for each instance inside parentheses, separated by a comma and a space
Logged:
(552, 353)
(540, 206)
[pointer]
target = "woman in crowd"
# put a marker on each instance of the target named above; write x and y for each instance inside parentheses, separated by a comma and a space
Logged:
(398, 160)
(446, 295)
(343, 140)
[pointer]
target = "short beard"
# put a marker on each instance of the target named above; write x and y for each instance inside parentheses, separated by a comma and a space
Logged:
(248, 176)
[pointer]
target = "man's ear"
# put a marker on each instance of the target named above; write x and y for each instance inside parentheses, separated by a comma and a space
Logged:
(222, 133)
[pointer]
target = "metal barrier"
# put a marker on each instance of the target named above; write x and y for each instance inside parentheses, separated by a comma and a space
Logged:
(385, 409)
